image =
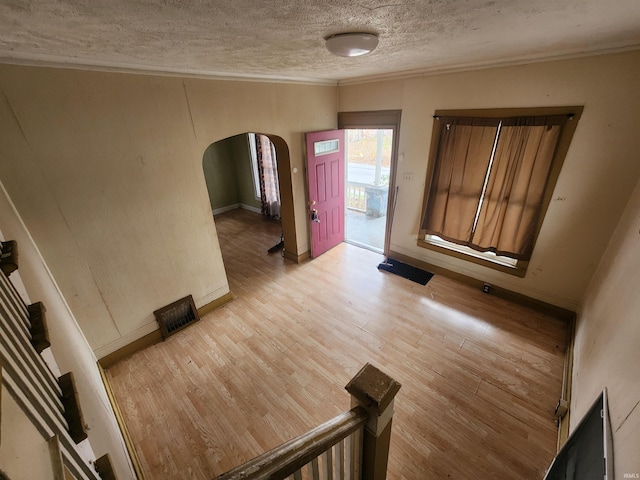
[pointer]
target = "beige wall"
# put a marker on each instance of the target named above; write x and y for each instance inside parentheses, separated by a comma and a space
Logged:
(228, 173)
(607, 344)
(598, 176)
(106, 171)
(220, 174)
(69, 349)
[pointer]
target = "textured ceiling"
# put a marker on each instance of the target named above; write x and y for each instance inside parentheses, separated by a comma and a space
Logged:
(283, 39)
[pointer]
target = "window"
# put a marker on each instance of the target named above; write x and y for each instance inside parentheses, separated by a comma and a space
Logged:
(326, 146)
(251, 138)
(492, 174)
(464, 250)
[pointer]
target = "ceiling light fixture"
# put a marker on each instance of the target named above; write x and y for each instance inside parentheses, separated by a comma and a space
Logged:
(351, 44)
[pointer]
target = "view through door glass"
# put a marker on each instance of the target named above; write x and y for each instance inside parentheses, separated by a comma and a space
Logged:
(368, 162)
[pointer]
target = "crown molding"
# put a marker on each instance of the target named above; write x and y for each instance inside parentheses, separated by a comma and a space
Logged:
(76, 63)
(483, 65)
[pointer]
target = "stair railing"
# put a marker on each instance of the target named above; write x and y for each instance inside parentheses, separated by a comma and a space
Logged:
(352, 446)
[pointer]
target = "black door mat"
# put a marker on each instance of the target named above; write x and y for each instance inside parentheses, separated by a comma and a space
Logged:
(409, 272)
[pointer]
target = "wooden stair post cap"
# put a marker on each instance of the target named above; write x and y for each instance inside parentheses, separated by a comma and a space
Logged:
(373, 388)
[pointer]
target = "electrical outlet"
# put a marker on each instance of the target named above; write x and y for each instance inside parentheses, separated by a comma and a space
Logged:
(486, 288)
(408, 177)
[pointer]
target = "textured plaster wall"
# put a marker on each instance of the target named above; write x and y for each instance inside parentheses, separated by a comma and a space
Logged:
(607, 344)
(106, 171)
(228, 173)
(71, 352)
(220, 174)
(599, 173)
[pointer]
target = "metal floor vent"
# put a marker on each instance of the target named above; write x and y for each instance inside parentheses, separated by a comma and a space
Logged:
(176, 316)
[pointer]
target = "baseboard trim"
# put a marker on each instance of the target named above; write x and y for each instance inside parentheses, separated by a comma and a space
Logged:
(567, 384)
(131, 348)
(296, 258)
(236, 206)
(514, 297)
(226, 208)
(251, 208)
(131, 450)
(218, 302)
(156, 336)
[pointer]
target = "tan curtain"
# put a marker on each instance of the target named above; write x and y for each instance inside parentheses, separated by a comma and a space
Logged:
(462, 159)
(513, 199)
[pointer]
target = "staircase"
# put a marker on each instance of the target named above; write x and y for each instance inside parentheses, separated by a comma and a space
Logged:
(43, 432)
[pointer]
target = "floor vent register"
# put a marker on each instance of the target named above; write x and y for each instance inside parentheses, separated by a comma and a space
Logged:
(176, 316)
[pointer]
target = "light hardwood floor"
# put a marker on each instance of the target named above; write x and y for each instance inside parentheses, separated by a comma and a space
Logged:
(480, 376)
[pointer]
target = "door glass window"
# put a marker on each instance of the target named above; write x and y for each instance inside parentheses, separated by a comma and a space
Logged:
(326, 146)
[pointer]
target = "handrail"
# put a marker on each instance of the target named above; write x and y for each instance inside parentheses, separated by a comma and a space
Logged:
(359, 439)
(359, 184)
(291, 456)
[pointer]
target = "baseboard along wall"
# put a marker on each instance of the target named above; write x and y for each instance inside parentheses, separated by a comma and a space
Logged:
(155, 336)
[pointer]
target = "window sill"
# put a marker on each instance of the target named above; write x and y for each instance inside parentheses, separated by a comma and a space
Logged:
(519, 270)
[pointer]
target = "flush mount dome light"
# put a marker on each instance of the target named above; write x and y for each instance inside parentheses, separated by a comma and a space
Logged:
(351, 44)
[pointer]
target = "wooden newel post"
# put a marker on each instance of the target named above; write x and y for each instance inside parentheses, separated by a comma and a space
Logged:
(375, 391)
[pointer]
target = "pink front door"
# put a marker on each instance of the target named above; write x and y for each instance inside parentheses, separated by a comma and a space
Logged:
(325, 170)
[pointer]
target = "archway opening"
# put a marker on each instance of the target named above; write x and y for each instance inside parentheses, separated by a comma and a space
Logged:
(235, 181)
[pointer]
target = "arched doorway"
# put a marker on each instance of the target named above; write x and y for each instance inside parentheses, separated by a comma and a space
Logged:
(231, 182)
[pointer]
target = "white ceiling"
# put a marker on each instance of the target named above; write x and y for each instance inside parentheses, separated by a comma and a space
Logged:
(283, 39)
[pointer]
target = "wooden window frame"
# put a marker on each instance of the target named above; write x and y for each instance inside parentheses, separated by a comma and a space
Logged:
(566, 135)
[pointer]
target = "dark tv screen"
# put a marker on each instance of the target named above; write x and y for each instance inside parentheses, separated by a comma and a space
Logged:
(584, 456)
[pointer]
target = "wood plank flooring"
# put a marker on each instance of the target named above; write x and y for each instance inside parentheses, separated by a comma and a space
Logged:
(480, 376)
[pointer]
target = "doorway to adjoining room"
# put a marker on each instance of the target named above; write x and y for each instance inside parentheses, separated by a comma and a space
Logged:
(368, 171)
(241, 173)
